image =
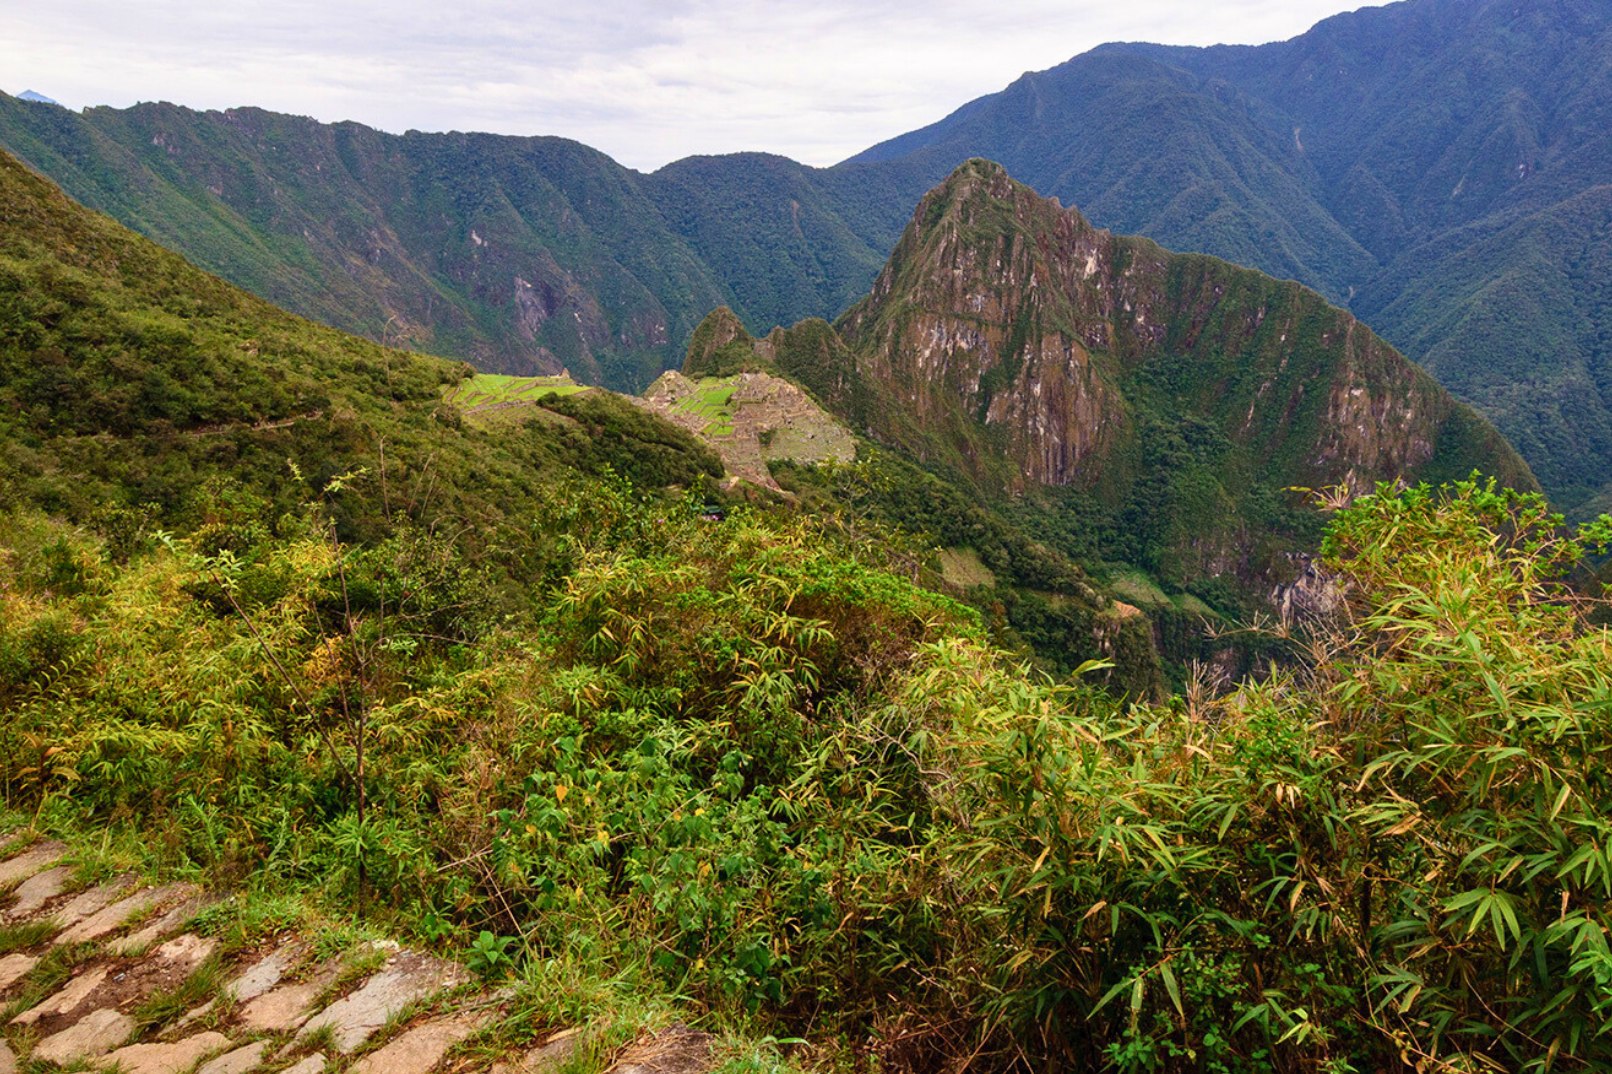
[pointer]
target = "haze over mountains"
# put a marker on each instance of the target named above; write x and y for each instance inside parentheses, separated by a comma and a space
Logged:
(1440, 166)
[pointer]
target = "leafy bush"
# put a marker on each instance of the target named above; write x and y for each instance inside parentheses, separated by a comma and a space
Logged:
(746, 763)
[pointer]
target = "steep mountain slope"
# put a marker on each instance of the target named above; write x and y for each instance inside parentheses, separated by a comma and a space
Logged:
(137, 391)
(1429, 162)
(1166, 398)
(1145, 147)
(524, 255)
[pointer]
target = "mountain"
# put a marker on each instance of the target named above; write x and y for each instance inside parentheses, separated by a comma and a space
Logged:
(1090, 435)
(138, 392)
(1145, 406)
(523, 255)
(37, 98)
(1440, 165)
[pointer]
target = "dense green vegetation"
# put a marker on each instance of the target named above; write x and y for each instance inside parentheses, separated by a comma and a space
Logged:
(1439, 166)
(1035, 597)
(274, 614)
(746, 765)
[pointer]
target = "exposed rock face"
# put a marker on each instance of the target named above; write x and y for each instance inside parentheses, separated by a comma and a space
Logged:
(1011, 339)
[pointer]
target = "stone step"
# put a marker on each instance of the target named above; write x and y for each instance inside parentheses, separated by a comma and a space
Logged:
(408, 977)
(238, 1061)
(419, 1050)
(13, 968)
(88, 903)
(175, 1058)
(267, 971)
(69, 999)
(555, 1050)
(93, 1035)
(187, 904)
(109, 919)
(289, 1005)
(36, 859)
(313, 1064)
(678, 1050)
(37, 890)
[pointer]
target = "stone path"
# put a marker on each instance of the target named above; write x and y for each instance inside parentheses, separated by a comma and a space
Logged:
(281, 1009)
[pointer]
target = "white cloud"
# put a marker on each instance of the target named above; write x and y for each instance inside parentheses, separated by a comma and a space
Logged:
(645, 81)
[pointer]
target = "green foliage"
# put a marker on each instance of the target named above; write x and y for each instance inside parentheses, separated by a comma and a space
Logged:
(489, 956)
(742, 762)
(1040, 599)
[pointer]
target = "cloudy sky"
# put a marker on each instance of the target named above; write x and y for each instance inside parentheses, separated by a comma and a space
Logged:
(647, 81)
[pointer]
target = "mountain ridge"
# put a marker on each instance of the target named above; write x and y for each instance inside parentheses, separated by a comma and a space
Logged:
(1316, 159)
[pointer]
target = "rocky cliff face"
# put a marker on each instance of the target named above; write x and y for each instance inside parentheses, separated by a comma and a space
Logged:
(1009, 338)
(1130, 404)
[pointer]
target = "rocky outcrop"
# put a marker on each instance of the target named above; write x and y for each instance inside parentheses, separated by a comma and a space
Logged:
(1010, 338)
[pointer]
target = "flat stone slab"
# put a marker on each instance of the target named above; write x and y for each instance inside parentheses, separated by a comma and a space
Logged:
(678, 1050)
(266, 972)
(175, 919)
(35, 859)
(314, 1064)
(419, 1050)
(95, 1034)
(175, 1058)
(8, 1059)
(87, 903)
(39, 889)
(288, 1006)
(239, 1061)
(546, 1056)
(115, 916)
(406, 978)
(14, 967)
(66, 1001)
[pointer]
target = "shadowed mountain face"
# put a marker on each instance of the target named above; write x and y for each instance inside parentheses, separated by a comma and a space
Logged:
(1439, 166)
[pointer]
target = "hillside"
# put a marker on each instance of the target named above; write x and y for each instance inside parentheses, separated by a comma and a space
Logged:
(1124, 402)
(523, 255)
(1438, 165)
(137, 391)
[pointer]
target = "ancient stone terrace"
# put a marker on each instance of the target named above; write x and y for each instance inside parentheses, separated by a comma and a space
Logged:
(89, 976)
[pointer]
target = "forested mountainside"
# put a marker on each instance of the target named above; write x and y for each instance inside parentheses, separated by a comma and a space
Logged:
(281, 619)
(523, 255)
(1133, 410)
(1439, 166)
(137, 392)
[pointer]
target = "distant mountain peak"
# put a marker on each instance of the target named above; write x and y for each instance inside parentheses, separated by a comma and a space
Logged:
(37, 98)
